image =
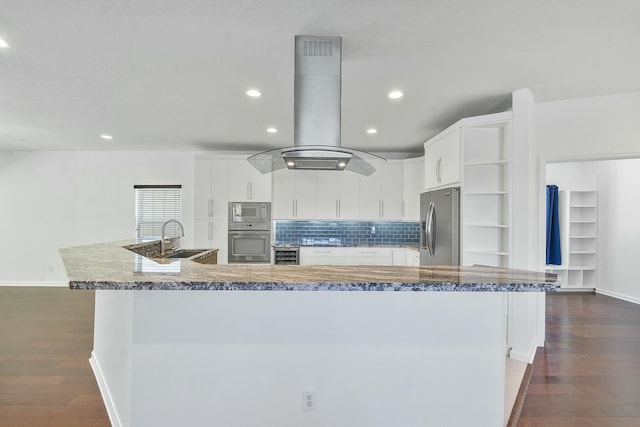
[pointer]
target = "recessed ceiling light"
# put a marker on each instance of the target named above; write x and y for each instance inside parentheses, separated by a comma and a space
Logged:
(342, 164)
(253, 93)
(272, 130)
(290, 163)
(395, 94)
(372, 131)
(104, 136)
(4, 43)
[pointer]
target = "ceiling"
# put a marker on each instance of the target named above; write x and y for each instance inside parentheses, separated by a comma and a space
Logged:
(172, 75)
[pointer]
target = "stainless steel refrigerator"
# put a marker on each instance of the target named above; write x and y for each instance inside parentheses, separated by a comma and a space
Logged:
(440, 227)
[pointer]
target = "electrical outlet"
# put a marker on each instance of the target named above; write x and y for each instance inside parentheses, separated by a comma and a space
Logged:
(309, 400)
(373, 230)
(51, 269)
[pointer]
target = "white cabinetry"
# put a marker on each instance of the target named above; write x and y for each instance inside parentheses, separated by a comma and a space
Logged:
(369, 256)
(337, 195)
(322, 256)
(212, 234)
(412, 186)
(294, 194)
(346, 256)
(381, 193)
(413, 258)
(578, 215)
(485, 203)
(211, 188)
(246, 183)
(442, 160)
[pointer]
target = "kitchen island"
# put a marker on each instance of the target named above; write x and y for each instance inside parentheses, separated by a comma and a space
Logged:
(263, 345)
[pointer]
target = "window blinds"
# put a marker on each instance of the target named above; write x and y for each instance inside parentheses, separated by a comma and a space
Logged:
(155, 205)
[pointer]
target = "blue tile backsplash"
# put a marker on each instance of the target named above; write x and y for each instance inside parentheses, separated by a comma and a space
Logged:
(347, 233)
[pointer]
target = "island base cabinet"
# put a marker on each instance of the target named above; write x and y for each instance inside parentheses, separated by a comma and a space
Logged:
(375, 359)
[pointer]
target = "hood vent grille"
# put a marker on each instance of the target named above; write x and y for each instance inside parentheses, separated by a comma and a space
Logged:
(317, 48)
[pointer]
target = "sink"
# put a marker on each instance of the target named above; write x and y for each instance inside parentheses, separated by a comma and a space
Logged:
(186, 253)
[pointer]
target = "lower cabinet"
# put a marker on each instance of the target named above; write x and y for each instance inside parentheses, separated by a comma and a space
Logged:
(413, 258)
(347, 256)
(211, 234)
(322, 256)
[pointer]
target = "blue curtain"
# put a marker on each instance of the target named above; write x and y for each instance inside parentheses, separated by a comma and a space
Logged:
(553, 226)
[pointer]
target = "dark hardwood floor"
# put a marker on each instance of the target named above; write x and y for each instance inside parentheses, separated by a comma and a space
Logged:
(588, 374)
(46, 337)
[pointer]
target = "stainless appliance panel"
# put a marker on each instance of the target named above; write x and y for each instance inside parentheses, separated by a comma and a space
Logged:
(440, 227)
(249, 216)
(249, 246)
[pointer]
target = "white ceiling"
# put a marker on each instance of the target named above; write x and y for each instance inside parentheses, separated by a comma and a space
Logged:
(170, 74)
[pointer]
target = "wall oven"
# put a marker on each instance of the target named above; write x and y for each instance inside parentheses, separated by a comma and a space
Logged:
(250, 246)
(249, 232)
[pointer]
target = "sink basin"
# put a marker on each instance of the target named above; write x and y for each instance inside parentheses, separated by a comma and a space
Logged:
(186, 253)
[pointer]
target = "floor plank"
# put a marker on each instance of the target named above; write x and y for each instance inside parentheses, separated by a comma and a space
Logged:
(588, 374)
(46, 337)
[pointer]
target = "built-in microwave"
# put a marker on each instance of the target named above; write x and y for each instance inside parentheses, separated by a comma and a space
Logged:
(249, 216)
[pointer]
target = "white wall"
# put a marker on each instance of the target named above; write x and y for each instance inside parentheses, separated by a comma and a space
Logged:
(605, 127)
(618, 213)
(56, 199)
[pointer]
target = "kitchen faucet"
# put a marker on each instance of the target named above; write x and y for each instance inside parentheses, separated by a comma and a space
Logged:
(162, 238)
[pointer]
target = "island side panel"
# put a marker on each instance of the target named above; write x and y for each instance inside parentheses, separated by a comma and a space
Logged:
(372, 359)
(112, 355)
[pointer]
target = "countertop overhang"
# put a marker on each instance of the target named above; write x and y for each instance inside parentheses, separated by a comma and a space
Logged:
(110, 266)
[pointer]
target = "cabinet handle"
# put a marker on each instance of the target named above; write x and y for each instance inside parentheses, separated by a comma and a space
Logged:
(340, 208)
(293, 208)
(247, 191)
(382, 208)
(210, 230)
(321, 252)
(296, 210)
(403, 213)
(438, 177)
(337, 214)
(250, 190)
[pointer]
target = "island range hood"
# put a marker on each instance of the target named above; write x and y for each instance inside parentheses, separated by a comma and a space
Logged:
(317, 111)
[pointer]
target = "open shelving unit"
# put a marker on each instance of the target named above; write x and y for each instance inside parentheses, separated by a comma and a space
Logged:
(578, 215)
(486, 234)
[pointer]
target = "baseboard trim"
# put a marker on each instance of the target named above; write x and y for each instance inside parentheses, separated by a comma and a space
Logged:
(526, 357)
(522, 392)
(618, 296)
(35, 283)
(107, 398)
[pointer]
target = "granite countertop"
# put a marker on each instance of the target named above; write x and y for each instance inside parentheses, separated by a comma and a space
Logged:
(111, 266)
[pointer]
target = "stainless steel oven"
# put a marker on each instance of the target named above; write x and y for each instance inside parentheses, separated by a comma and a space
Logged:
(249, 216)
(250, 246)
(249, 232)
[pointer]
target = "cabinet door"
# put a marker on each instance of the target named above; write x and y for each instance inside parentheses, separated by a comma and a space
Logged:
(202, 233)
(220, 188)
(259, 186)
(348, 195)
(305, 194)
(327, 183)
(202, 189)
(322, 256)
(412, 186)
(391, 191)
(283, 194)
(370, 206)
(442, 161)
(246, 183)
(219, 236)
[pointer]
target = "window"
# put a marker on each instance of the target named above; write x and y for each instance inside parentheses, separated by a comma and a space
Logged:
(155, 205)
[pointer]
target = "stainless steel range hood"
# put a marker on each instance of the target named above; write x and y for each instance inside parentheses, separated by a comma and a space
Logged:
(317, 112)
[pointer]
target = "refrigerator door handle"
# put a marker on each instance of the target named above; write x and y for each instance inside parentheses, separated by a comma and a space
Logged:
(429, 228)
(434, 227)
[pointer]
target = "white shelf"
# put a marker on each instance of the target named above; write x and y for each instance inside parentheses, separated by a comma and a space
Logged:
(578, 230)
(486, 252)
(489, 163)
(487, 225)
(487, 193)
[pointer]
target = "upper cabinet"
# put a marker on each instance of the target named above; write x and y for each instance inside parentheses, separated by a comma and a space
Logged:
(246, 183)
(211, 192)
(412, 186)
(337, 195)
(381, 194)
(294, 194)
(442, 160)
